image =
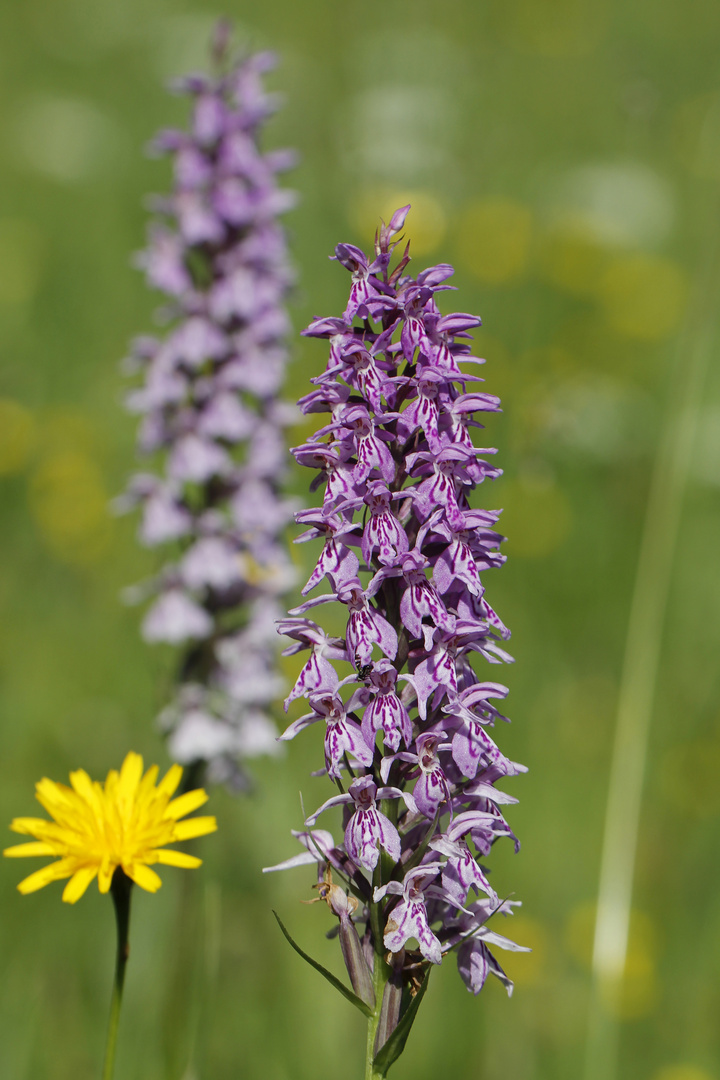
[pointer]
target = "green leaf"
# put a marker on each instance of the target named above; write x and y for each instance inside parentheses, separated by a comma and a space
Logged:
(352, 998)
(393, 1048)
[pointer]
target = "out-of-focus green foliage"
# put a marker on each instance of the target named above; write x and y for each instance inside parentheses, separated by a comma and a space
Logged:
(565, 155)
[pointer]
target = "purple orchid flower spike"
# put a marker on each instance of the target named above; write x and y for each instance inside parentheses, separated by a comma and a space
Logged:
(210, 416)
(410, 751)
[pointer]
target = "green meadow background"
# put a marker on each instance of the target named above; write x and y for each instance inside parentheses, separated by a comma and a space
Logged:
(565, 156)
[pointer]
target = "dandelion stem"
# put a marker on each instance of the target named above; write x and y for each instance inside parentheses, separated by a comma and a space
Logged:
(121, 889)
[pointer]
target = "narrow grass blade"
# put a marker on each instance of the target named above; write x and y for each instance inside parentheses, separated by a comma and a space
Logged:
(639, 680)
(352, 998)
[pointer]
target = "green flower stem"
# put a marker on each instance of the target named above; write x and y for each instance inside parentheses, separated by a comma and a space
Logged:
(381, 974)
(121, 890)
(381, 970)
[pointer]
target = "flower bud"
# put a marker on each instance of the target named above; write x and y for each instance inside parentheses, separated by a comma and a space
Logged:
(355, 962)
(390, 1008)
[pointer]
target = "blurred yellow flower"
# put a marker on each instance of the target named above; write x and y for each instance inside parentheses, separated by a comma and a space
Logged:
(572, 258)
(682, 1072)
(494, 243)
(537, 515)
(688, 774)
(531, 968)
(96, 828)
(17, 436)
(21, 258)
(638, 991)
(643, 296)
(70, 504)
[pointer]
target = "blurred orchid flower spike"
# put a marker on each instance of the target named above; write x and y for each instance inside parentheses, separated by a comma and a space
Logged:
(212, 420)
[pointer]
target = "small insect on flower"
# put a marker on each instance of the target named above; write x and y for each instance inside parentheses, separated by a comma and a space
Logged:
(96, 828)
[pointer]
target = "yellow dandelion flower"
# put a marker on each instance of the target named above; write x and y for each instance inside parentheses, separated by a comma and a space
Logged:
(126, 822)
